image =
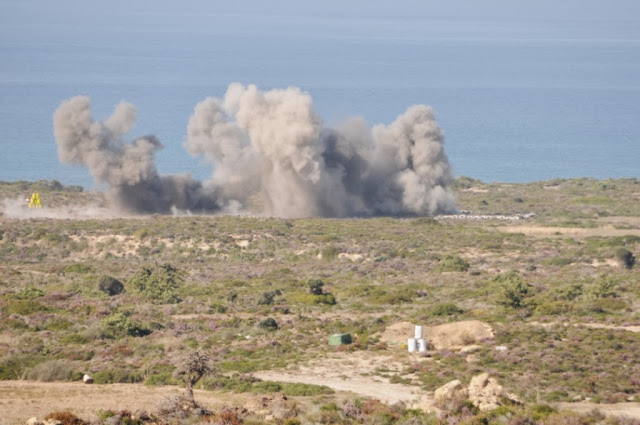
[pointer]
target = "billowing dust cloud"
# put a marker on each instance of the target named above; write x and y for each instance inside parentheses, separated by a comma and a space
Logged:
(271, 155)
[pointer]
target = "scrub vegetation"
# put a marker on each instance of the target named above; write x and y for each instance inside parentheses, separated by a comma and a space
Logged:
(125, 300)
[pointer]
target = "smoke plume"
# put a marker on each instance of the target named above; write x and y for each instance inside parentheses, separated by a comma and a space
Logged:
(127, 168)
(271, 155)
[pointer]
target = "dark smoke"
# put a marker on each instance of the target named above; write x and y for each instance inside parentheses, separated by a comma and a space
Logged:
(268, 150)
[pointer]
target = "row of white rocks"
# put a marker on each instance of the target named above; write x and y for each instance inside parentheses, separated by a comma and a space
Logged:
(484, 217)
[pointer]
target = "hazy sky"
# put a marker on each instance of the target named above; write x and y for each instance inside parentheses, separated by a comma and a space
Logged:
(356, 57)
(103, 13)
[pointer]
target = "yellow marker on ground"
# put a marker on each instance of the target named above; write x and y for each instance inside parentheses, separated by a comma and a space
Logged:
(34, 202)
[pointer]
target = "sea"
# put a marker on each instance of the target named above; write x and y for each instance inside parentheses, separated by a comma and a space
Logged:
(521, 94)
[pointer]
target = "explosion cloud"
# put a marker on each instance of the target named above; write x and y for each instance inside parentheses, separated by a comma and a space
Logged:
(268, 149)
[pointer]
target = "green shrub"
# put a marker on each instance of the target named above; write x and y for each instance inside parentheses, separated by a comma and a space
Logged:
(269, 324)
(315, 286)
(554, 308)
(567, 293)
(330, 252)
(56, 324)
(452, 263)
(110, 285)
(424, 221)
(299, 389)
(602, 305)
(267, 297)
(626, 257)
(394, 297)
(29, 293)
(77, 375)
(555, 396)
(117, 376)
(217, 308)
(510, 289)
(162, 378)
(24, 307)
(14, 367)
(247, 383)
(310, 299)
(236, 383)
(446, 309)
(541, 411)
(120, 324)
(159, 284)
(73, 339)
(266, 387)
(464, 182)
(604, 287)
(558, 261)
(142, 233)
(78, 268)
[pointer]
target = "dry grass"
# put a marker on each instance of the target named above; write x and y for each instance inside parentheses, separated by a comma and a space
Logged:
(20, 400)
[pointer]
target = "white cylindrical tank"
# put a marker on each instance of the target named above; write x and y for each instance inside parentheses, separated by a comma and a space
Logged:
(412, 345)
(422, 345)
(418, 332)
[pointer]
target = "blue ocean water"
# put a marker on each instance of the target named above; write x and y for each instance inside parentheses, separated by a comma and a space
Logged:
(519, 98)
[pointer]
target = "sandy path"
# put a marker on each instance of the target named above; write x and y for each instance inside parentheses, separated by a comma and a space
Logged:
(631, 410)
(360, 385)
(354, 372)
(605, 231)
(628, 328)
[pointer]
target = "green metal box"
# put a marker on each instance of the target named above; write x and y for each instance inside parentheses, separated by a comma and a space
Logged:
(340, 339)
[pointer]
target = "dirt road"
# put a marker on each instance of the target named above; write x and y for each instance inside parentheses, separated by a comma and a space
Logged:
(357, 372)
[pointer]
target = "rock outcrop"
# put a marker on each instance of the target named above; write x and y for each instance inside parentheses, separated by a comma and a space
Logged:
(450, 395)
(485, 392)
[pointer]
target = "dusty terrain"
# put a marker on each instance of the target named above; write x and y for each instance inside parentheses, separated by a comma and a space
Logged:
(545, 231)
(20, 400)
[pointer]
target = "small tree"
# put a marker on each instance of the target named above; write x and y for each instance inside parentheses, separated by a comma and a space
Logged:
(315, 286)
(625, 257)
(452, 263)
(511, 289)
(110, 285)
(193, 367)
(269, 324)
(604, 287)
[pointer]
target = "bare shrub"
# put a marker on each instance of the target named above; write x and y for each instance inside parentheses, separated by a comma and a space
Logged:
(179, 406)
(193, 367)
(65, 417)
(51, 370)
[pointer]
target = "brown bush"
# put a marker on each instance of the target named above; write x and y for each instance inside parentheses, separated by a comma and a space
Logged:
(66, 417)
(229, 416)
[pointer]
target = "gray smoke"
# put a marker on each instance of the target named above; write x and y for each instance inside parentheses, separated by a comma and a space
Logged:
(270, 154)
(128, 168)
